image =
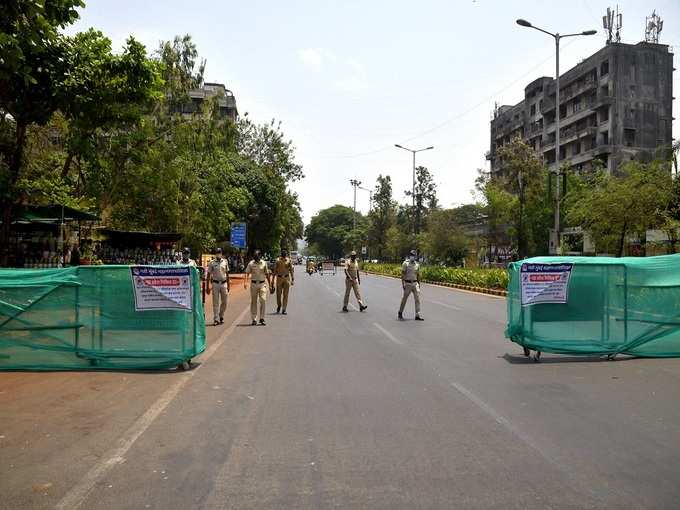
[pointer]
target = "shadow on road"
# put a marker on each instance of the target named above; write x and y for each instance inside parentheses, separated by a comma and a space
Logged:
(520, 359)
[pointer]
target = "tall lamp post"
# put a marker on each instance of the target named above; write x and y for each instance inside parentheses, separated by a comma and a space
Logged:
(370, 197)
(557, 37)
(413, 188)
(355, 184)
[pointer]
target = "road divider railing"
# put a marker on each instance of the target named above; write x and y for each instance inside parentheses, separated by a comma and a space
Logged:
(100, 317)
(486, 281)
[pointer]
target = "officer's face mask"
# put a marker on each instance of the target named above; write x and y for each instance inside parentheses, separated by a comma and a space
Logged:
(353, 257)
(257, 258)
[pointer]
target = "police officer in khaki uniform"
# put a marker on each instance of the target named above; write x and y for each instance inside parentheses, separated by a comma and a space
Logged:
(186, 259)
(410, 282)
(285, 278)
(218, 273)
(259, 285)
(352, 282)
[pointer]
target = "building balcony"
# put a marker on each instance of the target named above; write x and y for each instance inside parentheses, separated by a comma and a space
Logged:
(603, 100)
(547, 145)
(575, 90)
(572, 133)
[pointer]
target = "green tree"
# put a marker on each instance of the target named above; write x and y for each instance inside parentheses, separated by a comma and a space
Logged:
(425, 197)
(613, 207)
(517, 199)
(445, 241)
(381, 217)
(49, 72)
(330, 231)
(32, 69)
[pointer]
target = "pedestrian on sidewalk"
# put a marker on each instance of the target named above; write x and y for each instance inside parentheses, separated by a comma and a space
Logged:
(352, 282)
(285, 278)
(410, 283)
(260, 281)
(218, 273)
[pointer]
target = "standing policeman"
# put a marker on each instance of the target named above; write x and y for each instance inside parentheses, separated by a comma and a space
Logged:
(352, 282)
(410, 282)
(259, 282)
(285, 277)
(218, 273)
(186, 258)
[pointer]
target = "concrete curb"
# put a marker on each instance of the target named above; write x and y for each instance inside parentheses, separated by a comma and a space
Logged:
(469, 288)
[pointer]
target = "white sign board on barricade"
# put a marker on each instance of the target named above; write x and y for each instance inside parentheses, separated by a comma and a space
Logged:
(162, 288)
(545, 283)
(328, 266)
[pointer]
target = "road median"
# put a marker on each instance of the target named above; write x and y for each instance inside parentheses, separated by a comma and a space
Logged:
(496, 277)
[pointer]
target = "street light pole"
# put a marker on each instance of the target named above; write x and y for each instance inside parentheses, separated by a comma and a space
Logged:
(413, 185)
(355, 184)
(370, 198)
(557, 37)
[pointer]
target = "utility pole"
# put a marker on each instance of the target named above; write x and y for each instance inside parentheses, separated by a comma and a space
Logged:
(355, 184)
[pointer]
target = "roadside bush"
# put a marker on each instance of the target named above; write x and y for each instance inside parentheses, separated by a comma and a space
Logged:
(486, 278)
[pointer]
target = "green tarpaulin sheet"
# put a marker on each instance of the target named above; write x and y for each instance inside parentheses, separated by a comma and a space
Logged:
(86, 318)
(613, 306)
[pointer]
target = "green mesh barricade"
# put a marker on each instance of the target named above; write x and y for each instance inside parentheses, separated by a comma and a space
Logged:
(613, 305)
(87, 317)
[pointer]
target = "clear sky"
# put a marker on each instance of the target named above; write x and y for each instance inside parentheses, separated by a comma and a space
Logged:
(349, 79)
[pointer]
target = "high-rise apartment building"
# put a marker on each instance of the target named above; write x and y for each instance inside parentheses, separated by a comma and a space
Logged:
(615, 106)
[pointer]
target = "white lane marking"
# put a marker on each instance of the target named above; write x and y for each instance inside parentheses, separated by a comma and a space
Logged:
(79, 493)
(501, 420)
(481, 404)
(388, 334)
(446, 305)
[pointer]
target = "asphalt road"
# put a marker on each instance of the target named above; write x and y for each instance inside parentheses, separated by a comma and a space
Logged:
(324, 409)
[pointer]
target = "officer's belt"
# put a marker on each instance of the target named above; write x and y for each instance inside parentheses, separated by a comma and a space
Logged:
(283, 275)
(256, 281)
(219, 281)
(410, 281)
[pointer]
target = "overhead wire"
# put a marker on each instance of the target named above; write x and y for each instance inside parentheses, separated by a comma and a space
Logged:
(451, 119)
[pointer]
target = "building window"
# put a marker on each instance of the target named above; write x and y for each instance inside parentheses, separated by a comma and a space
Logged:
(533, 109)
(604, 115)
(577, 148)
(629, 137)
(604, 68)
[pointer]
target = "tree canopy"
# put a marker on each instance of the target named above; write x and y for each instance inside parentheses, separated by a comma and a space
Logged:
(83, 126)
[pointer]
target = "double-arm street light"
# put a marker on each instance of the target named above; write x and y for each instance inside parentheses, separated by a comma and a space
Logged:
(413, 188)
(557, 37)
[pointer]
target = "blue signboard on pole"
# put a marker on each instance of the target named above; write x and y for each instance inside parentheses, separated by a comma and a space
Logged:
(238, 235)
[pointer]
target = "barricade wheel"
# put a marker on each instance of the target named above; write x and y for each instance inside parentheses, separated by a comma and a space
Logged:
(185, 365)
